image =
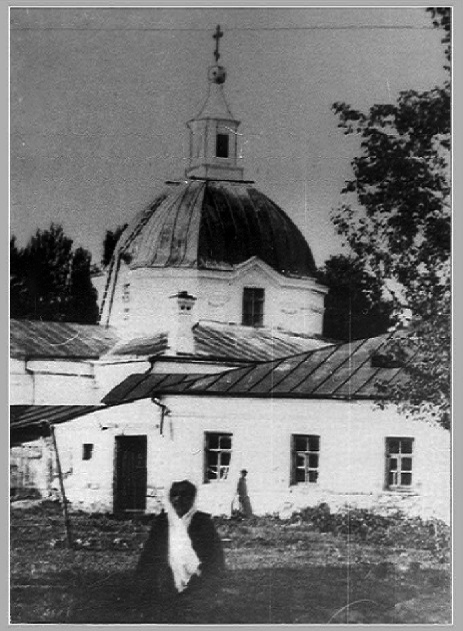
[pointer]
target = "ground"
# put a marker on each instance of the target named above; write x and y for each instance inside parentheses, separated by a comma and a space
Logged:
(277, 572)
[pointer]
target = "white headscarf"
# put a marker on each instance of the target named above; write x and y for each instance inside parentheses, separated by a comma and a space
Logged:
(183, 560)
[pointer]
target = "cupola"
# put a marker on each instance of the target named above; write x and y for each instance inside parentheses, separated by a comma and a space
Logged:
(214, 131)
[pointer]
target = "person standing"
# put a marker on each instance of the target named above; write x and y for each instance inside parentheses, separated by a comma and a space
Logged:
(243, 497)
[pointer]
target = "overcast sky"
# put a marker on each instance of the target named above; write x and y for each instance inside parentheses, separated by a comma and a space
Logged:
(100, 98)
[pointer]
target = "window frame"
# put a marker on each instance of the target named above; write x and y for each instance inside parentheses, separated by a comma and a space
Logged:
(87, 451)
(222, 145)
(220, 451)
(306, 454)
(255, 297)
(399, 472)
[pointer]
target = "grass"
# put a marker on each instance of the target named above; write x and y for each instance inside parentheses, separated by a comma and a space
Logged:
(277, 572)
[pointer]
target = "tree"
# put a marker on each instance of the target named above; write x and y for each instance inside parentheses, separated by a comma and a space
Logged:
(109, 243)
(50, 281)
(354, 306)
(82, 306)
(397, 221)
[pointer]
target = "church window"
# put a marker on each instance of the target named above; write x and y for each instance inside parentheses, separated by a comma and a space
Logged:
(305, 456)
(218, 448)
(126, 300)
(399, 460)
(253, 306)
(221, 146)
(87, 451)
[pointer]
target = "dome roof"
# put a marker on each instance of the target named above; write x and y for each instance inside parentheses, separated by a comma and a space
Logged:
(211, 224)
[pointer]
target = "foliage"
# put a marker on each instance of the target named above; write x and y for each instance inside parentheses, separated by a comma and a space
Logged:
(51, 281)
(394, 529)
(354, 306)
(397, 221)
(109, 243)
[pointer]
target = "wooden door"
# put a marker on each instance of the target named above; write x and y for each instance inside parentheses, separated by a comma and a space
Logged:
(130, 474)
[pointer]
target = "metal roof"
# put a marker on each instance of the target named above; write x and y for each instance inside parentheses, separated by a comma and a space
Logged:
(215, 224)
(215, 340)
(142, 386)
(28, 422)
(340, 371)
(34, 338)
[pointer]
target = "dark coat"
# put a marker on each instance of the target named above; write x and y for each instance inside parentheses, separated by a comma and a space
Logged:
(153, 567)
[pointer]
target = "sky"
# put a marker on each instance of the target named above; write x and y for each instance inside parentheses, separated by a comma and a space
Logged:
(99, 100)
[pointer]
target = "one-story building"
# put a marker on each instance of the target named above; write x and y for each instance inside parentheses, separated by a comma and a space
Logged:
(307, 428)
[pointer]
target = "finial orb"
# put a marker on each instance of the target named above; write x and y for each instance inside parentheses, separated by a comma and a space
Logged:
(216, 74)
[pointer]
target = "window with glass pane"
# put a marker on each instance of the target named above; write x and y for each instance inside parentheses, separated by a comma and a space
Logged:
(218, 448)
(253, 306)
(399, 461)
(221, 147)
(305, 456)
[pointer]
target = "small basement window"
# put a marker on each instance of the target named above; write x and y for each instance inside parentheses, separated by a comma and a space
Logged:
(87, 451)
(399, 462)
(253, 306)
(217, 451)
(221, 146)
(305, 458)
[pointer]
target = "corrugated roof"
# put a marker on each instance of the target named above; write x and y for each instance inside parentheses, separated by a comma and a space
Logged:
(34, 338)
(340, 371)
(226, 342)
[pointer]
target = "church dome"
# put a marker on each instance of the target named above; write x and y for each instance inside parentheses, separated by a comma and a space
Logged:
(208, 224)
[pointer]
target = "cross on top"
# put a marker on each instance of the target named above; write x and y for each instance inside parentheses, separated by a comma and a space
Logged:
(217, 35)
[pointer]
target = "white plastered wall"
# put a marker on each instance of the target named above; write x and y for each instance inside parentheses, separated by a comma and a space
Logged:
(352, 453)
(292, 304)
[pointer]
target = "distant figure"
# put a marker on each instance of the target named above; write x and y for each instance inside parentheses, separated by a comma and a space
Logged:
(183, 553)
(243, 497)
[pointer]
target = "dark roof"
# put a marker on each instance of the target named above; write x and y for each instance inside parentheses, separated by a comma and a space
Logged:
(340, 371)
(28, 422)
(221, 341)
(215, 224)
(142, 386)
(34, 338)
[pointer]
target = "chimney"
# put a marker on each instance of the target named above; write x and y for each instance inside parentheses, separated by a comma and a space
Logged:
(181, 339)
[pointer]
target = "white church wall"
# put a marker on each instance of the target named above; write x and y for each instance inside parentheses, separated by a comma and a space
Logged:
(293, 305)
(21, 383)
(142, 303)
(352, 462)
(352, 454)
(89, 484)
(52, 382)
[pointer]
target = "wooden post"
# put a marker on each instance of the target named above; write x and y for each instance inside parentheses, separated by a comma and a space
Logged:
(64, 503)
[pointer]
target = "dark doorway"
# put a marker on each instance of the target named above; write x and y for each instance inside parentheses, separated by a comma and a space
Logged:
(130, 474)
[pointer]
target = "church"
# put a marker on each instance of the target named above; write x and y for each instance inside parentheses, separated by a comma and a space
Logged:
(208, 359)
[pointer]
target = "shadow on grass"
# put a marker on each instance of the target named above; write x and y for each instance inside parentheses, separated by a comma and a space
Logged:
(312, 595)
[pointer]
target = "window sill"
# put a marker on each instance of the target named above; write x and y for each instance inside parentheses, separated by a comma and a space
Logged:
(401, 491)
